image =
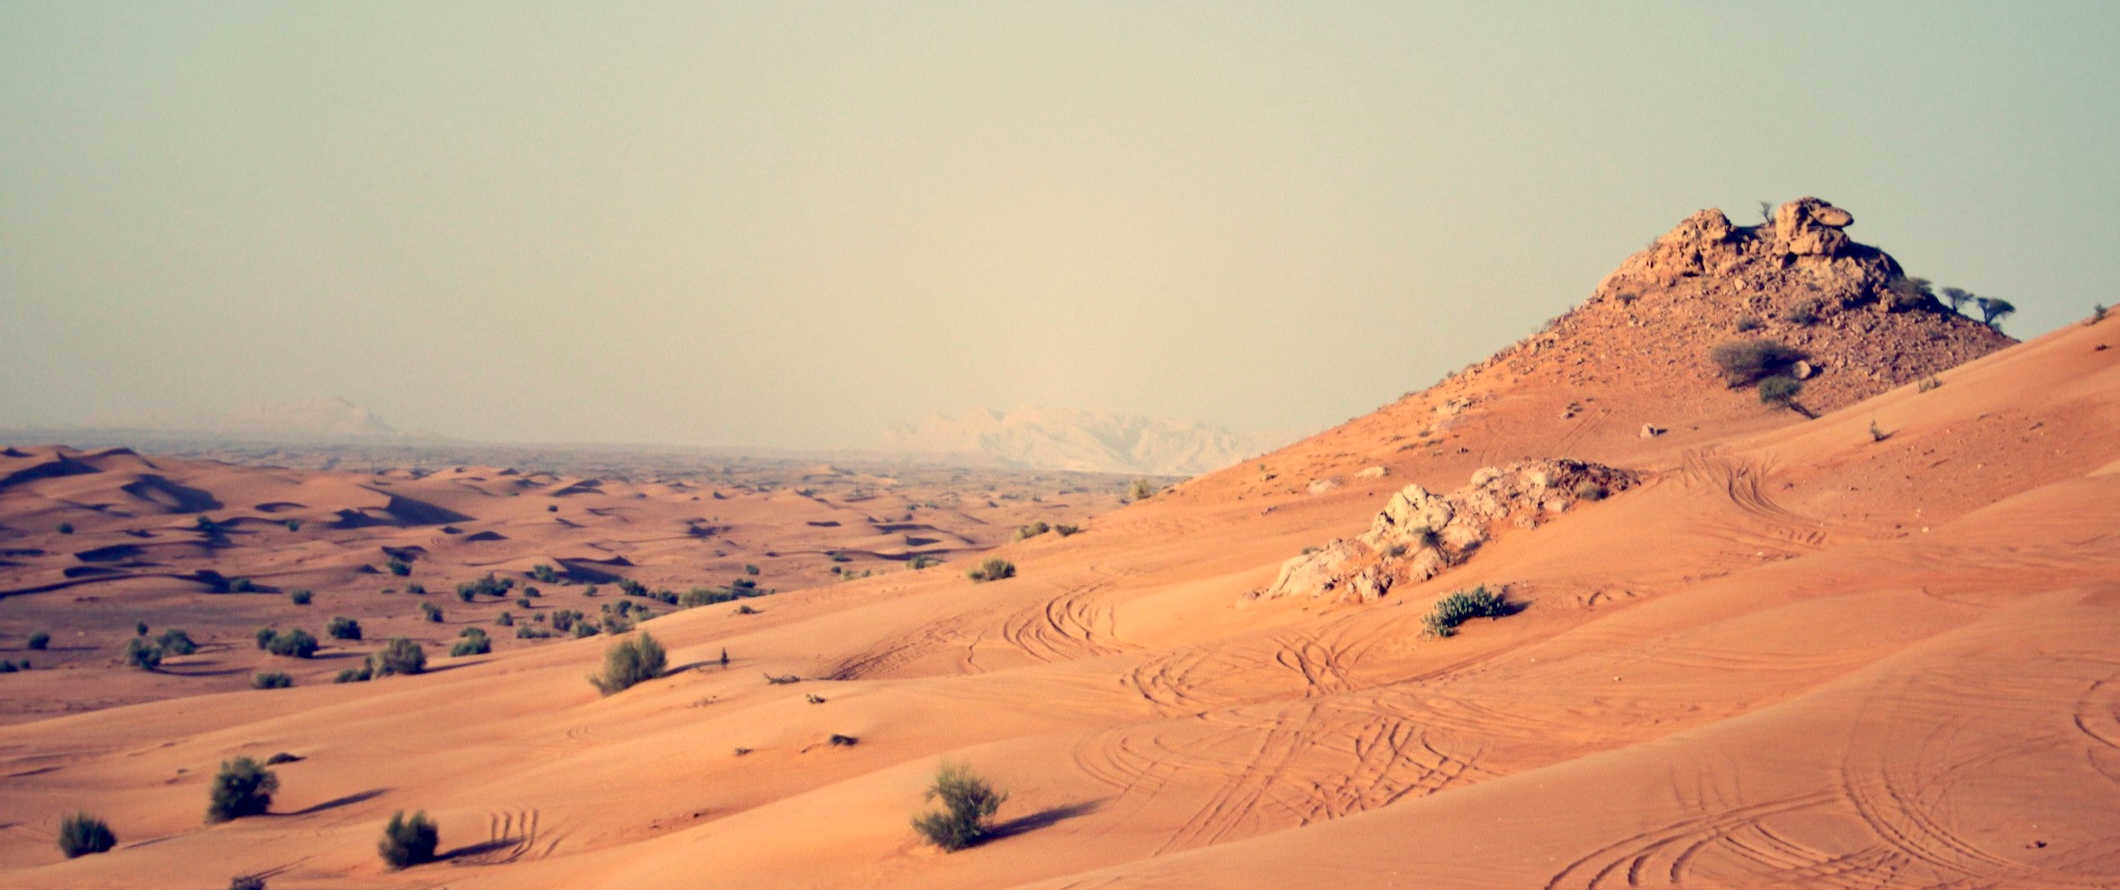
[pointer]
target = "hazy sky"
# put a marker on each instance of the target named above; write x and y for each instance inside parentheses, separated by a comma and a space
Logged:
(787, 224)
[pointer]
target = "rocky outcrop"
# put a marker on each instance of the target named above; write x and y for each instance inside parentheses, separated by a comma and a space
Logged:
(1418, 534)
(1804, 252)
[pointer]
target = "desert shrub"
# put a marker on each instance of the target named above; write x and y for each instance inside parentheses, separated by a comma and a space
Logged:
(584, 629)
(1032, 530)
(1993, 310)
(293, 525)
(1878, 433)
(354, 675)
(247, 882)
(265, 635)
(505, 619)
(1804, 313)
(1779, 390)
(921, 562)
(2098, 311)
(399, 656)
(1746, 361)
(416, 589)
(993, 569)
(563, 619)
(432, 612)
(1749, 323)
(628, 662)
(465, 592)
(294, 643)
(1065, 530)
(1463, 606)
(1903, 294)
(271, 680)
(845, 741)
(532, 593)
(750, 569)
(522, 603)
(475, 642)
(343, 628)
(66, 528)
(142, 654)
(1927, 383)
(630, 587)
(140, 628)
(544, 574)
(40, 640)
(241, 788)
(531, 632)
(746, 609)
(401, 568)
(175, 642)
(7, 667)
(1140, 490)
(81, 834)
(968, 807)
(300, 597)
(408, 842)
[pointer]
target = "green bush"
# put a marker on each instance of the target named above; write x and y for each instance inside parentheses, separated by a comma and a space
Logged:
(300, 597)
(504, 619)
(242, 788)
(247, 882)
(66, 528)
(992, 570)
(629, 662)
(354, 675)
(293, 525)
(343, 628)
(563, 619)
(465, 593)
(1140, 490)
(1032, 530)
(1780, 390)
(474, 642)
(750, 569)
(140, 628)
(271, 680)
(142, 654)
(401, 568)
(265, 635)
(1463, 606)
(1744, 362)
(40, 640)
(408, 842)
(531, 632)
(921, 562)
(433, 613)
(81, 834)
(175, 642)
(1067, 531)
(968, 807)
(295, 643)
(399, 656)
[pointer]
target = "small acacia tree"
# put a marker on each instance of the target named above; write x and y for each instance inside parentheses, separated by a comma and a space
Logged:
(81, 834)
(968, 807)
(242, 788)
(1993, 310)
(408, 842)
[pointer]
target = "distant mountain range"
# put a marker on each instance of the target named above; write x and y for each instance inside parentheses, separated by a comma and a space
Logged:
(319, 418)
(1087, 441)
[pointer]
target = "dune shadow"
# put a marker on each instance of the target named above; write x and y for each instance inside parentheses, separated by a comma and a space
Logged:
(481, 848)
(1044, 818)
(336, 802)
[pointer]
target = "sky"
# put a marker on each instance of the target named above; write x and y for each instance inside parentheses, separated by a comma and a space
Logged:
(787, 224)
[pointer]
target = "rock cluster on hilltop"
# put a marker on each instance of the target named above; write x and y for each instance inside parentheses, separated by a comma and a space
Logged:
(1860, 323)
(1419, 533)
